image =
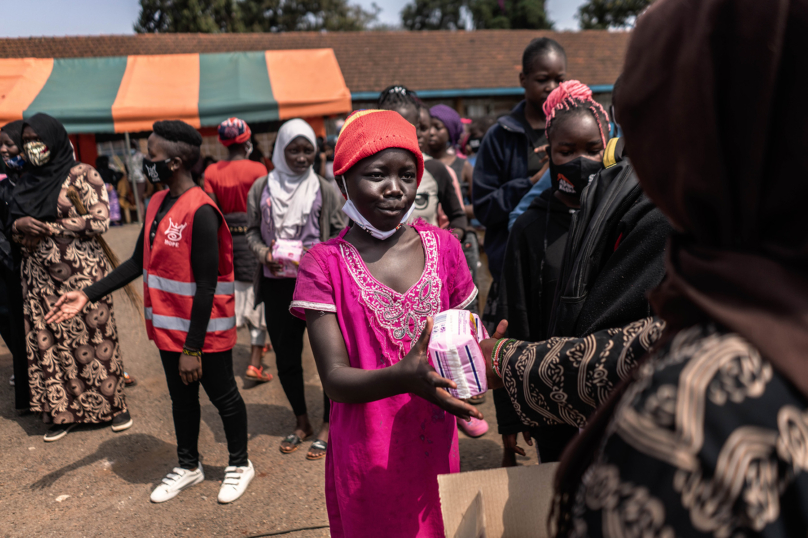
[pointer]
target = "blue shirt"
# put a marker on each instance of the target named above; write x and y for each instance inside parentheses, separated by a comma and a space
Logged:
(541, 185)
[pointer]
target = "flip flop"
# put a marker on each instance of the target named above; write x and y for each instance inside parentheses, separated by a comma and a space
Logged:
(477, 400)
(257, 374)
(321, 446)
(128, 380)
(294, 443)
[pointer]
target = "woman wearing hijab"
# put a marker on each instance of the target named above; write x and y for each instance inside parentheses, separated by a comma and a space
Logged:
(708, 436)
(444, 136)
(291, 206)
(75, 368)
(11, 149)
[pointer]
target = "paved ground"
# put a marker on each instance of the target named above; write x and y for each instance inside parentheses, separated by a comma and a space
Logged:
(95, 482)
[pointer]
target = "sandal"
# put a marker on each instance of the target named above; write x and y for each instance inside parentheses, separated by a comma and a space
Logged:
(294, 443)
(128, 380)
(257, 374)
(321, 447)
(477, 400)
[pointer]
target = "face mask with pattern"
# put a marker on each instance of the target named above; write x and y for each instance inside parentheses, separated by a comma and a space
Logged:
(37, 152)
(15, 163)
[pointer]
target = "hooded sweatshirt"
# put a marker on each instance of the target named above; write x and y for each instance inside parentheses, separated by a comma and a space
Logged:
(505, 164)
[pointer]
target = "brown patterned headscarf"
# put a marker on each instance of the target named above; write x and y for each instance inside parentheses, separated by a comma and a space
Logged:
(714, 109)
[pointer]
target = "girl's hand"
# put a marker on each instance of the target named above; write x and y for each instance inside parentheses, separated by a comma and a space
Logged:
(421, 379)
(190, 368)
(487, 346)
(68, 305)
(511, 448)
(545, 162)
(31, 226)
(273, 266)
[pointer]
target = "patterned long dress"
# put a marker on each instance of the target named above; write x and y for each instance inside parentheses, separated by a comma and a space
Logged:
(75, 367)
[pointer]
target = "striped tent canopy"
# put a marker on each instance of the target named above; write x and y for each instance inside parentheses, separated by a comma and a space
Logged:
(128, 93)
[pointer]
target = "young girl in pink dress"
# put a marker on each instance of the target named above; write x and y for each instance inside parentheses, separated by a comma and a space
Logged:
(368, 298)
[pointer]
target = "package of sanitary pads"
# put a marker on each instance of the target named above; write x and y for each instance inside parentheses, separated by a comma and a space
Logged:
(287, 252)
(455, 352)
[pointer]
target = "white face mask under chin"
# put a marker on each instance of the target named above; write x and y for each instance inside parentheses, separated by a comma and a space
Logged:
(350, 209)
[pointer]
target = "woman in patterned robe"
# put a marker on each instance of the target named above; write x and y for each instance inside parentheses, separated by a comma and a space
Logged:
(707, 435)
(75, 367)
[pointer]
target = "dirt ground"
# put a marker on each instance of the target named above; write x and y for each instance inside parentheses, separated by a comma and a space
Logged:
(95, 482)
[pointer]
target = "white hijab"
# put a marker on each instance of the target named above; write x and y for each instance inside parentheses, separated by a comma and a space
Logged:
(292, 196)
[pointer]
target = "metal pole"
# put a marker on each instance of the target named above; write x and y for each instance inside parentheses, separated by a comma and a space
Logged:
(132, 178)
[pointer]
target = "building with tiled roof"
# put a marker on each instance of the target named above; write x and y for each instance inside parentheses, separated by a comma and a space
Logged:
(475, 71)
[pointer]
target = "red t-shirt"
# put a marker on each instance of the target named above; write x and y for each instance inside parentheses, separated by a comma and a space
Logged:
(230, 181)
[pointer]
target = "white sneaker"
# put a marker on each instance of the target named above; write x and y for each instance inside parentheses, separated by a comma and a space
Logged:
(176, 481)
(236, 480)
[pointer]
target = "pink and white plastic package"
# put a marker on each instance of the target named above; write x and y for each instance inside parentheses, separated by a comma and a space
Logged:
(287, 252)
(455, 351)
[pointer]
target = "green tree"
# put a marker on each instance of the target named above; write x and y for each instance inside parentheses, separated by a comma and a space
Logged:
(432, 15)
(517, 14)
(206, 16)
(610, 14)
(483, 14)
(209, 16)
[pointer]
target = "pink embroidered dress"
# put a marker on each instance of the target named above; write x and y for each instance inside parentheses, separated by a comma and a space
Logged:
(384, 457)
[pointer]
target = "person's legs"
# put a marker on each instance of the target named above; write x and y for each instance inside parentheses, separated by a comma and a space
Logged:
(258, 338)
(16, 342)
(551, 441)
(319, 446)
(286, 334)
(185, 409)
(141, 195)
(220, 385)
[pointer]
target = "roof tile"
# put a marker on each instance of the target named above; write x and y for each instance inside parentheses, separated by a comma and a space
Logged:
(370, 61)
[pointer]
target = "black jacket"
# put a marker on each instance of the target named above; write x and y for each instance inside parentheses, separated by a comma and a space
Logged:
(502, 172)
(615, 255)
(245, 264)
(533, 260)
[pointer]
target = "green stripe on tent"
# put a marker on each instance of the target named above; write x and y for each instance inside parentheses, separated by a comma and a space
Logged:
(235, 84)
(80, 93)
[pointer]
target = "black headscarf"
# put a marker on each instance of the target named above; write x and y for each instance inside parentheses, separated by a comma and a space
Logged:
(723, 156)
(14, 132)
(37, 191)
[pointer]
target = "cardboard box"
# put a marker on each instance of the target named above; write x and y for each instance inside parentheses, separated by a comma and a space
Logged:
(498, 503)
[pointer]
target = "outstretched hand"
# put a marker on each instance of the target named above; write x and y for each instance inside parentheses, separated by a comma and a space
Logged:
(68, 305)
(487, 347)
(421, 379)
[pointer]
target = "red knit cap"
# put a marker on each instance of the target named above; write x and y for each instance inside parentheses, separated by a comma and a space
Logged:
(367, 132)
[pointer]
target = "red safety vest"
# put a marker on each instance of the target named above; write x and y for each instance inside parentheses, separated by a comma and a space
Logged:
(168, 281)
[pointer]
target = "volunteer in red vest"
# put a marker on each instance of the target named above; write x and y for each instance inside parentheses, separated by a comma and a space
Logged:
(185, 255)
(228, 182)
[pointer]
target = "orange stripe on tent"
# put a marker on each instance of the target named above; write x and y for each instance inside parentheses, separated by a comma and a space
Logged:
(21, 80)
(307, 83)
(164, 87)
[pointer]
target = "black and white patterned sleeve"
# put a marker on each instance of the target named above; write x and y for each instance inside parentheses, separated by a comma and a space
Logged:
(563, 380)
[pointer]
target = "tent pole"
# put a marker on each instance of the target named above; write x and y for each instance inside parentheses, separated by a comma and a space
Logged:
(132, 178)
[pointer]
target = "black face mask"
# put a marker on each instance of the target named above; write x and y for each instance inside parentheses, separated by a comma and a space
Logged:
(573, 177)
(156, 171)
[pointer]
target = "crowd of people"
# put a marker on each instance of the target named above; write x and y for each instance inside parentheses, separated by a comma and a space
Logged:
(648, 309)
